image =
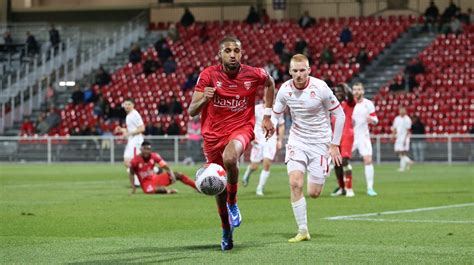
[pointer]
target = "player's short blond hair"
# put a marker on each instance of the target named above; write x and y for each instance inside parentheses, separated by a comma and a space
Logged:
(299, 58)
(359, 84)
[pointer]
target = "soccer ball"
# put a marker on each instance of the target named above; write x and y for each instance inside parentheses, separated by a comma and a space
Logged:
(211, 179)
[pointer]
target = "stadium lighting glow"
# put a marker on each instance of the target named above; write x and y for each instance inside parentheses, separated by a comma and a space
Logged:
(70, 83)
(62, 83)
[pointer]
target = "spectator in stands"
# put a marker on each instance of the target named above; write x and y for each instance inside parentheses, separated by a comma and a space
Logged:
(159, 43)
(274, 72)
(7, 37)
(398, 85)
(346, 35)
(100, 107)
(164, 53)
(431, 17)
(326, 56)
(362, 58)
(32, 46)
(42, 126)
(169, 66)
(52, 118)
(176, 107)
(89, 94)
(102, 77)
(191, 80)
(27, 127)
(418, 144)
(300, 45)
(163, 107)
(77, 95)
(253, 17)
(285, 56)
(278, 47)
(416, 67)
(454, 26)
(264, 18)
(449, 12)
(154, 129)
(306, 21)
(150, 65)
(187, 19)
(470, 16)
(135, 55)
(54, 37)
(194, 141)
(173, 129)
(173, 33)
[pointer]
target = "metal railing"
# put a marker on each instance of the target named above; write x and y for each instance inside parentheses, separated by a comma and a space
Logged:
(69, 64)
(52, 149)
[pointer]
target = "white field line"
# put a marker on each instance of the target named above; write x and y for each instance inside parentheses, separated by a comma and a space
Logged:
(346, 217)
(407, 221)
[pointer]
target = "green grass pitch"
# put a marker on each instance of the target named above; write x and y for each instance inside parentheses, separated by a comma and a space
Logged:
(83, 214)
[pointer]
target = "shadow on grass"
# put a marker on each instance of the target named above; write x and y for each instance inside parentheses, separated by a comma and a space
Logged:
(150, 259)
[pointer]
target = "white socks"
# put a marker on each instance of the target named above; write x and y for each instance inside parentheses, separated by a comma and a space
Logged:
(299, 210)
(369, 176)
(263, 179)
(248, 172)
(403, 162)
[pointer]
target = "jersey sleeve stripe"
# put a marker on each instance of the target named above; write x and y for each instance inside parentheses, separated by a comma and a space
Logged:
(335, 107)
(373, 114)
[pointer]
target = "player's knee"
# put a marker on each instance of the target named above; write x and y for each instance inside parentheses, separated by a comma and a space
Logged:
(296, 185)
(254, 166)
(314, 194)
(230, 160)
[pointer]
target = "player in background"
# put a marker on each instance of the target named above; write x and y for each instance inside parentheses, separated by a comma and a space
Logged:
(344, 95)
(363, 115)
(311, 142)
(142, 165)
(225, 96)
(401, 131)
(134, 132)
(263, 149)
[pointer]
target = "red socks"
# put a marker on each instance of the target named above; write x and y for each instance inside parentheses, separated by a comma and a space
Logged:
(224, 215)
(232, 193)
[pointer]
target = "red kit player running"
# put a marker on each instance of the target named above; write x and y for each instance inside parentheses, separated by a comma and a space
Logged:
(344, 94)
(225, 97)
(142, 165)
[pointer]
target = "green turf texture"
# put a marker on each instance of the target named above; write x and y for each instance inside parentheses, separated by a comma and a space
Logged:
(83, 214)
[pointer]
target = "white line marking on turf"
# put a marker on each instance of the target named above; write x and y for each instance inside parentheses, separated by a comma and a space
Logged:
(345, 217)
(408, 221)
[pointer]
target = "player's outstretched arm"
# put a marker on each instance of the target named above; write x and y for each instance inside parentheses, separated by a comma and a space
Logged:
(199, 100)
(132, 181)
(163, 190)
(267, 124)
(173, 176)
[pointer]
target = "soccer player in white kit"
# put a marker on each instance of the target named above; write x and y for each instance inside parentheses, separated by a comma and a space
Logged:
(401, 132)
(311, 143)
(363, 115)
(263, 149)
(134, 132)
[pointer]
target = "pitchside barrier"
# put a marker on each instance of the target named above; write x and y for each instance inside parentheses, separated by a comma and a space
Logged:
(53, 149)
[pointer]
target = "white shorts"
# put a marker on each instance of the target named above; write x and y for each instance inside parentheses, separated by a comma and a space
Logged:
(133, 148)
(402, 145)
(314, 159)
(363, 145)
(263, 150)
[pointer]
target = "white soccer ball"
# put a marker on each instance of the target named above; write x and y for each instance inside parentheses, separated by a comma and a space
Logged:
(211, 179)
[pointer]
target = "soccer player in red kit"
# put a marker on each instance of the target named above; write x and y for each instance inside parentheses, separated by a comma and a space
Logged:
(225, 97)
(142, 165)
(344, 94)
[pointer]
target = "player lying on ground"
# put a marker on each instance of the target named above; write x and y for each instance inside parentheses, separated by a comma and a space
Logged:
(142, 165)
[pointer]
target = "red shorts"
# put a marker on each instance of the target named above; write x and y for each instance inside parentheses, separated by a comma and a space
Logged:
(213, 150)
(151, 183)
(346, 146)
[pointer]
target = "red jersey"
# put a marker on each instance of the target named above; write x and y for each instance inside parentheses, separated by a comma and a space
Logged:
(233, 105)
(144, 169)
(348, 110)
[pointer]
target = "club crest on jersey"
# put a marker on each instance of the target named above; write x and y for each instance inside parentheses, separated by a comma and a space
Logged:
(219, 84)
(247, 84)
(312, 94)
(289, 93)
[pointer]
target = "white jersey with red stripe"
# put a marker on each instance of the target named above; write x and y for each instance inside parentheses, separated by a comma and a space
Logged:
(362, 111)
(310, 108)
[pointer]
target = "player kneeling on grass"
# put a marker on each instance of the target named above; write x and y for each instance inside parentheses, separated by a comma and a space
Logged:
(142, 165)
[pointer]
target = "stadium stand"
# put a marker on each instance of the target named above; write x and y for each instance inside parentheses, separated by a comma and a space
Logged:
(444, 96)
(372, 33)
